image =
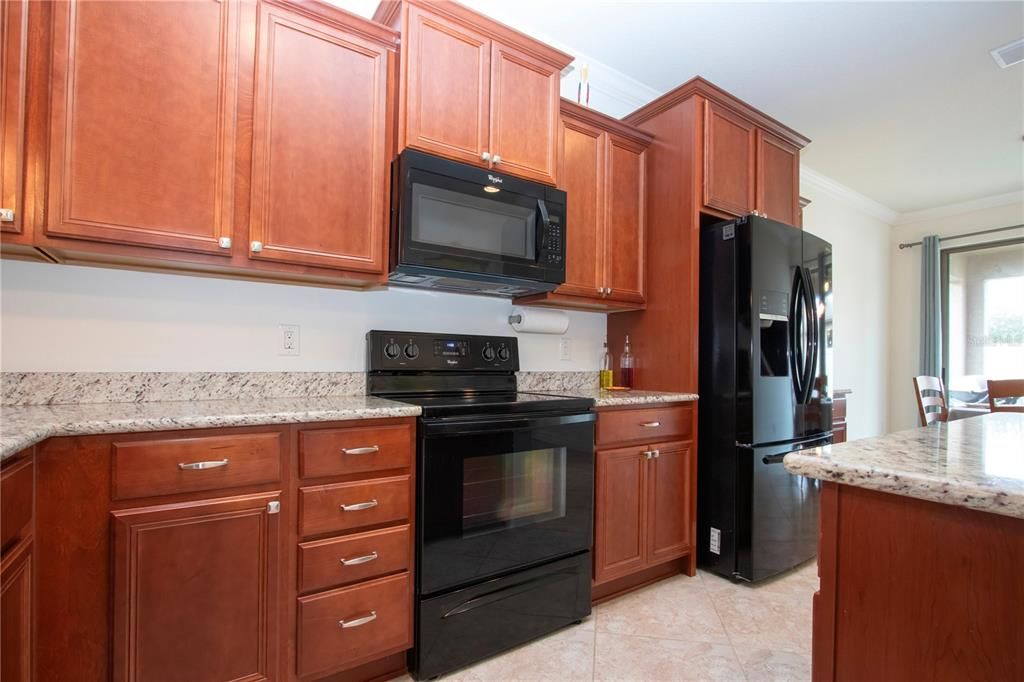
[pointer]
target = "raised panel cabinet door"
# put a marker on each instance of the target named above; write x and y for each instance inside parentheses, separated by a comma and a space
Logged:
(143, 123)
(524, 114)
(446, 88)
(778, 179)
(13, 39)
(729, 152)
(670, 486)
(625, 194)
(620, 513)
(581, 175)
(195, 590)
(16, 614)
(320, 144)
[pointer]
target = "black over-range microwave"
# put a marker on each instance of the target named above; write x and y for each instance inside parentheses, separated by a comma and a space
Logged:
(461, 228)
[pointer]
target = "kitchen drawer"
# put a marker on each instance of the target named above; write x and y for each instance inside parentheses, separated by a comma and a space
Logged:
(17, 488)
(371, 503)
(337, 561)
(647, 424)
(336, 452)
(350, 626)
(184, 465)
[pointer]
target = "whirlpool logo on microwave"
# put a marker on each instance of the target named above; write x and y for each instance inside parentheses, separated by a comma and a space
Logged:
(494, 179)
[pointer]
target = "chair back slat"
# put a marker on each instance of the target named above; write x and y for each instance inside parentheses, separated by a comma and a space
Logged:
(931, 399)
(1000, 389)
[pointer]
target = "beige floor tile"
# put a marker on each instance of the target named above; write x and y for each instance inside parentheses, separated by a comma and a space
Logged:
(767, 665)
(757, 619)
(565, 655)
(624, 657)
(677, 608)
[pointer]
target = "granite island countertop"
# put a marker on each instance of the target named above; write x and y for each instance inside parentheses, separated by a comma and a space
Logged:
(604, 398)
(23, 426)
(976, 463)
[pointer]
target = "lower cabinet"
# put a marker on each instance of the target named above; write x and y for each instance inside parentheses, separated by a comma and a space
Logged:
(16, 614)
(669, 497)
(195, 590)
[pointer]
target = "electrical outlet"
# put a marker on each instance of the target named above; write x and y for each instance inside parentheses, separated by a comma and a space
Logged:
(288, 344)
(565, 349)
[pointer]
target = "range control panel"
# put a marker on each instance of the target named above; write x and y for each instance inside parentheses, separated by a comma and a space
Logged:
(417, 351)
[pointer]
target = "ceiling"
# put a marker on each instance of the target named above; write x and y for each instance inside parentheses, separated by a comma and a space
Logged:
(902, 100)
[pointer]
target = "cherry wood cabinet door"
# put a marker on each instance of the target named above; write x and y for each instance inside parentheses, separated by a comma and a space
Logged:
(524, 114)
(581, 175)
(625, 192)
(447, 72)
(670, 483)
(143, 123)
(778, 179)
(13, 38)
(16, 614)
(320, 144)
(620, 511)
(195, 590)
(729, 158)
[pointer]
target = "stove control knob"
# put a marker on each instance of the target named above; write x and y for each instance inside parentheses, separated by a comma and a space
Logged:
(503, 353)
(488, 353)
(412, 351)
(391, 350)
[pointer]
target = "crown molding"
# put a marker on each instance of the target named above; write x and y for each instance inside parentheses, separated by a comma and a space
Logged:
(959, 208)
(812, 178)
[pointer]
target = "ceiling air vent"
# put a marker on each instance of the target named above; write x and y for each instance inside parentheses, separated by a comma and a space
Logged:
(1009, 54)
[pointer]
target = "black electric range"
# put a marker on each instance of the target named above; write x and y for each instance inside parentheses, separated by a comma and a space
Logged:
(505, 485)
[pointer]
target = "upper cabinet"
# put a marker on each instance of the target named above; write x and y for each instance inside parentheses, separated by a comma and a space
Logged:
(13, 30)
(476, 91)
(778, 179)
(603, 168)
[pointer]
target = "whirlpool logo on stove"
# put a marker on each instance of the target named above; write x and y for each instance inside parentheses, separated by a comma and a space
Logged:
(452, 362)
(494, 179)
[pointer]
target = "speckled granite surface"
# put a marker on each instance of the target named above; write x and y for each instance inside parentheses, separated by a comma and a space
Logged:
(976, 463)
(22, 426)
(553, 382)
(617, 398)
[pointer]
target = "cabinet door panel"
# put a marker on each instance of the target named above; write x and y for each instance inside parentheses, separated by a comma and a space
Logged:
(729, 146)
(320, 144)
(143, 119)
(581, 175)
(620, 512)
(16, 614)
(778, 179)
(624, 219)
(524, 114)
(195, 590)
(13, 27)
(670, 485)
(446, 99)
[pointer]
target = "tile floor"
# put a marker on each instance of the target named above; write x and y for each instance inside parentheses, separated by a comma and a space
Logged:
(701, 628)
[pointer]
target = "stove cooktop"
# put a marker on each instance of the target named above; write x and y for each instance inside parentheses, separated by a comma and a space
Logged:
(457, 404)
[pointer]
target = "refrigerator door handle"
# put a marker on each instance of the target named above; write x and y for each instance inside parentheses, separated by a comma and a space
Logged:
(796, 362)
(811, 352)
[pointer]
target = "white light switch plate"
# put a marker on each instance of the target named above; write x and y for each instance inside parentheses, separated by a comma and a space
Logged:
(565, 349)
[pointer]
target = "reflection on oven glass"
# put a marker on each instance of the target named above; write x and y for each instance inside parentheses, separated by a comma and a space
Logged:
(512, 489)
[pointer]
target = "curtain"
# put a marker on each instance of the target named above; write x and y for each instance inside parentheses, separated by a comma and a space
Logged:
(931, 308)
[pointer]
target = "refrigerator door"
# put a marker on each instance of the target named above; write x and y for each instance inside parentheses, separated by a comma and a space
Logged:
(814, 408)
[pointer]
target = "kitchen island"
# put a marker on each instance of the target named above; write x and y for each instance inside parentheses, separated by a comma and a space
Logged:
(921, 553)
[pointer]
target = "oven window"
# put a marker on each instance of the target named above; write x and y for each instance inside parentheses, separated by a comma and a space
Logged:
(464, 221)
(514, 489)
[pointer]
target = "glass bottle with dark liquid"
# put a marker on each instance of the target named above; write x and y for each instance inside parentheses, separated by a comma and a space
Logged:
(626, 367)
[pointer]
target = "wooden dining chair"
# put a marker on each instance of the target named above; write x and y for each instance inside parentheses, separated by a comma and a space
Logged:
(931, 407)
(1005, 388)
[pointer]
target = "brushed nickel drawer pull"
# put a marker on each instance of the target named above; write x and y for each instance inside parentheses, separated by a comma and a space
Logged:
(212, 464)
(359, 559)
(651, 425)
(361, 451)
(359, 506)
(356, 622)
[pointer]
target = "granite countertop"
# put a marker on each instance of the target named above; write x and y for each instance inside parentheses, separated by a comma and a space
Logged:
(604, 398)
(22, 426)
(976, 463)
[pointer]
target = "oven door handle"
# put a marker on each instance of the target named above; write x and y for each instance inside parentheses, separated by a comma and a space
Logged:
(459, 426)
(506, 592)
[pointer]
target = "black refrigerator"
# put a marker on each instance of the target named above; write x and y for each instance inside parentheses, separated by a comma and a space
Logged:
(765, 390)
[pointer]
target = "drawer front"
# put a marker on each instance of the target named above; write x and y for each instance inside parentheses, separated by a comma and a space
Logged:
(185, 465)
(17, 488)
(648, 424)
(335, 452)
(339, 561)
(347, 627)
(367, 503)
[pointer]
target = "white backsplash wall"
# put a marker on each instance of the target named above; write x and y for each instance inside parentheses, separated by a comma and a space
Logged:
(62, 318)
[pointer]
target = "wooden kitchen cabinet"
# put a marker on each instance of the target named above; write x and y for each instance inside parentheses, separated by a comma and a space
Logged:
(602, 167)
(13, 50)
(778, 179)
(620, 512)
(730, 150)
(474, 90)
(17, 629)
(670, 489)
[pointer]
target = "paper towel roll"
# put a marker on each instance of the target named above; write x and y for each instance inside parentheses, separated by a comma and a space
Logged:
(536, 321)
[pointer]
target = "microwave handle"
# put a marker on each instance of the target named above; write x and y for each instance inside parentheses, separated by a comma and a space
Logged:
(545, 222)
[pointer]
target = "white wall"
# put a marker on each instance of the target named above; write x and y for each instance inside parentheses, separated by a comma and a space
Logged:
(860, 244)
(905, 299)
(69, 318)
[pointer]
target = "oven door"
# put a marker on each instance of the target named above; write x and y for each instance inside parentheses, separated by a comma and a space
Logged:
(502, 493)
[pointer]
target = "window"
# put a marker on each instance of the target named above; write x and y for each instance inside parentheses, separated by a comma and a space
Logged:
(983, 317)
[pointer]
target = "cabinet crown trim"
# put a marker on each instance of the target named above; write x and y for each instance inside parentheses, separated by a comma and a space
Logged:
(343, 19)
(605, 122)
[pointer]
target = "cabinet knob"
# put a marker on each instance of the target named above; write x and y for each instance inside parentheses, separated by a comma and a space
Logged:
(486, 156)
(6, 215)
(224, 242)
(256, 247)
(647, 454)
(497, 159)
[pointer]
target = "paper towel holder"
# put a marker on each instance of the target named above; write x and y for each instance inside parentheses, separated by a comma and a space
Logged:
(515, 319)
